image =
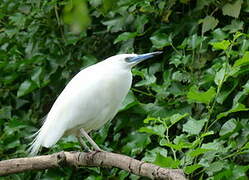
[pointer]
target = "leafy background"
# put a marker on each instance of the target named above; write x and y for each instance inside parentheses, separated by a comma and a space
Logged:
(187, 109)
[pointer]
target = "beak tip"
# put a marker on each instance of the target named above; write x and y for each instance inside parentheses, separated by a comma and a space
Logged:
(142, 57)
(158, 52)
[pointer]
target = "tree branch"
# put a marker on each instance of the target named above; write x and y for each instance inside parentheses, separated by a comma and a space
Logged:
(95, 158)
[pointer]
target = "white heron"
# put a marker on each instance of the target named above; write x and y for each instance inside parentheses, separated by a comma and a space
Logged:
(89, 100)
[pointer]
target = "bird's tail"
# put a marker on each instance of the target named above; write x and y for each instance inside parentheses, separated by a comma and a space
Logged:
(36, 143)
(46, 136)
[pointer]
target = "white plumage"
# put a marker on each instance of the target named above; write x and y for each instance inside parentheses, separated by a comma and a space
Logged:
(89, 100)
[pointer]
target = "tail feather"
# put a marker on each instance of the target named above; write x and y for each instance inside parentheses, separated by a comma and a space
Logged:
(35, 144)
(46, 136)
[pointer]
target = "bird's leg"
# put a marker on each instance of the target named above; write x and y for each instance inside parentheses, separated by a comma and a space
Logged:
(82, 143)
(84, 133)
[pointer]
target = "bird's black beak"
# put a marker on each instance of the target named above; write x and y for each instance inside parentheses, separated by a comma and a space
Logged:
(141, 57)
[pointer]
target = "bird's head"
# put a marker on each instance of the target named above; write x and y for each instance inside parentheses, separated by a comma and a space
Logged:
(130, 60)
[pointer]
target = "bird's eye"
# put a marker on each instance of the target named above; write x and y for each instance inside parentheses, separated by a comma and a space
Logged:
(128, 59)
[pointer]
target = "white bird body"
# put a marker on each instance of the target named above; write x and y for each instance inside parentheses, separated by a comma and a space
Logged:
(89, 100)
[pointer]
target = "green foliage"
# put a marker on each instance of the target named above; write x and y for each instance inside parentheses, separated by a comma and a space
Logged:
(76, 15)
(202, 97)
(187, 109)
(221, 45)
(209, 23)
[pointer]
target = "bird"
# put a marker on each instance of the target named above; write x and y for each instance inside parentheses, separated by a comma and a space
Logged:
(89, 100)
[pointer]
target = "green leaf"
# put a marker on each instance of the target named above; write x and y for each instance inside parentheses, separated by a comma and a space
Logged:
(198, 151)
(149, 79)
(237, 108)
(11, 32)
(89, 60)
(156, 129)
(135, 143)
(148, 119)
(227, 91)
(150, 156)
(192, 42)
(193, 126)
(25, 88)
(177, 117)
(160, 40)
(240, 172)
(241, 95)
(155, 110)
(191, 168)
(178, 147)
(185, 1)
(243, 61)
(232, 9)
(129, 101)
(215, 167)
(209, 23)
(140, 23)
(216, 145)
(5, 112)
(108, 5)
(115, 24)
(246, 146)
(10, 78)
(219, 34)
(37, 76)
(224, 174)
(234, 27)
(166, 162)
(91, 177)
(207, 133)
(13, 144)
(122, 175)
(220, 76)
(178, 59)
(95, 3)
(238, 34)
(201, 97)
(181, 77)
(101, 135)
(228, 127)
(125, 36)
(173, 146)
(18, 20)
(72, 38)
(223, 45)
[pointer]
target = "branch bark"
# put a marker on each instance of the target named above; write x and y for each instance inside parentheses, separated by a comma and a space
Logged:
(95, 158)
